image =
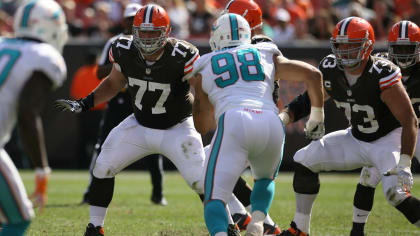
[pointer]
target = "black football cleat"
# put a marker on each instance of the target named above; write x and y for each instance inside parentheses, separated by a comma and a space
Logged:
(242, 220)
(159, 201)
(292, 231)
(91, 230)
(271, 229)
(233, 230)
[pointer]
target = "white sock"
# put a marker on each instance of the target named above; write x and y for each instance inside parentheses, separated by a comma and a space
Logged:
(235, 206)
(97, 215)
(230, 220)
(360, 216)
(304, 203)
(268, 220)
(221, 234)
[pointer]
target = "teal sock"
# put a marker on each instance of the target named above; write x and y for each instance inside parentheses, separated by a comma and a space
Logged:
(215, 217)
(15, 229)
(262, 195)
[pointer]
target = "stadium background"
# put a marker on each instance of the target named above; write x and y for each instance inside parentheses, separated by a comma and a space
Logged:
(301, 29)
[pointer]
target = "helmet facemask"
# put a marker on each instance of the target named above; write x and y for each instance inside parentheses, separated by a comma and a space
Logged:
(149, 39)
(404, 54)
(350, 52)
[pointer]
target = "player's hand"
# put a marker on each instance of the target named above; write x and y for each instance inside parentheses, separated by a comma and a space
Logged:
(314, 127)
(69, 105)
(284, 117)
(39, 196)
(403, 170)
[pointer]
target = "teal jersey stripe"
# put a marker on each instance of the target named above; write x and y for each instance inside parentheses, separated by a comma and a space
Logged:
(234, 27)
(26, 12)
(8, 204)
(211, 166)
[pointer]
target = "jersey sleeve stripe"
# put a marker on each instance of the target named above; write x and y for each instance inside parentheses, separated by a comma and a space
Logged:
(389, 80)
(111, 58)
(192, 60)
(391, 83)
(385, 79)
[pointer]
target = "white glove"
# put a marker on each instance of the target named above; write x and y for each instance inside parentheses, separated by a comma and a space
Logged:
(284, 117)
(403, 170)
(314, 127)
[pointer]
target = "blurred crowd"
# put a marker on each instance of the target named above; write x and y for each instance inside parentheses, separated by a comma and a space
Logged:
(284, 20)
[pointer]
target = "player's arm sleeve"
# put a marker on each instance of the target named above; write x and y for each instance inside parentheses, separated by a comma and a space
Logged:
(104, 58)
(113, 59)
(300, 106)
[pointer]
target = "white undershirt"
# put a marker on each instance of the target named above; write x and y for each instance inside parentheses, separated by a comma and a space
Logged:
(351, 79)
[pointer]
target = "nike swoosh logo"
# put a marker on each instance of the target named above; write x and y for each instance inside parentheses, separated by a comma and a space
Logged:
(361, 215)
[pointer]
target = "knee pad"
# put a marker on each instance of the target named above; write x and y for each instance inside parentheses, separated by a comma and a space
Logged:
(305, 181)
(102, 171)
(192, 148)
(370, 177)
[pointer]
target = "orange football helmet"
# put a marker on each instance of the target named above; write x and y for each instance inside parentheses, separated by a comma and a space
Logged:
(403, 43)
(151, 20)
(248, 9)
(352, 41)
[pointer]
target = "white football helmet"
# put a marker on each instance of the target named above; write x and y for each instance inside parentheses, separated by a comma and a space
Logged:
(43, 20)
(229, 30)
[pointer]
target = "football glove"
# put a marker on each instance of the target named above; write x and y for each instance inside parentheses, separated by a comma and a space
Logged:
(69, 105)
(314, 127)
(39, 196)
(403, 170)
(75, 106)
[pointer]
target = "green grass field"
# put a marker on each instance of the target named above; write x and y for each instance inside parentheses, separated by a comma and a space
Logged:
(131, 212)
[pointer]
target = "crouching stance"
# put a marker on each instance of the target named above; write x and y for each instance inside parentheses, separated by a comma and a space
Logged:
(233, 88)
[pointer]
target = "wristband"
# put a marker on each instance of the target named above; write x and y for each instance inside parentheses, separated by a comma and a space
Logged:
(405, 161)
(317, 114)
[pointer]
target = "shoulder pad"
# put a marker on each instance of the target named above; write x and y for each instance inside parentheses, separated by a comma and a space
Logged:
(329, 62)
(383, 67)
(181, 47)
(259, 38)
(381, 55)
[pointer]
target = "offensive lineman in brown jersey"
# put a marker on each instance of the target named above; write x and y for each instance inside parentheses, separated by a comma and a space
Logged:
(383, 128)
(403, 50)
(155, 68)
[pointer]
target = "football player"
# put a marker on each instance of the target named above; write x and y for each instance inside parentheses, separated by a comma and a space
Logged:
(118, 108)
(383, 125)
(31, 66)
(253, 15)
(155, 68)
(403, 50)
(233, 87)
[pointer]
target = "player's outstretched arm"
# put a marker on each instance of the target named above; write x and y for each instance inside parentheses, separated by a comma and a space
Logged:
(399, 104)
(107, 89)
(203, 110)
(31, 100)
(298, 71)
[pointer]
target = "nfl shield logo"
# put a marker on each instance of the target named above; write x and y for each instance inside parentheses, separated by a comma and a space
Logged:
(349, 93)
(148, 70)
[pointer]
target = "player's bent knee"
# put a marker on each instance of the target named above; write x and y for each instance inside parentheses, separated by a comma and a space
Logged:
(305, 181)
(370, 177)
(102, 171)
